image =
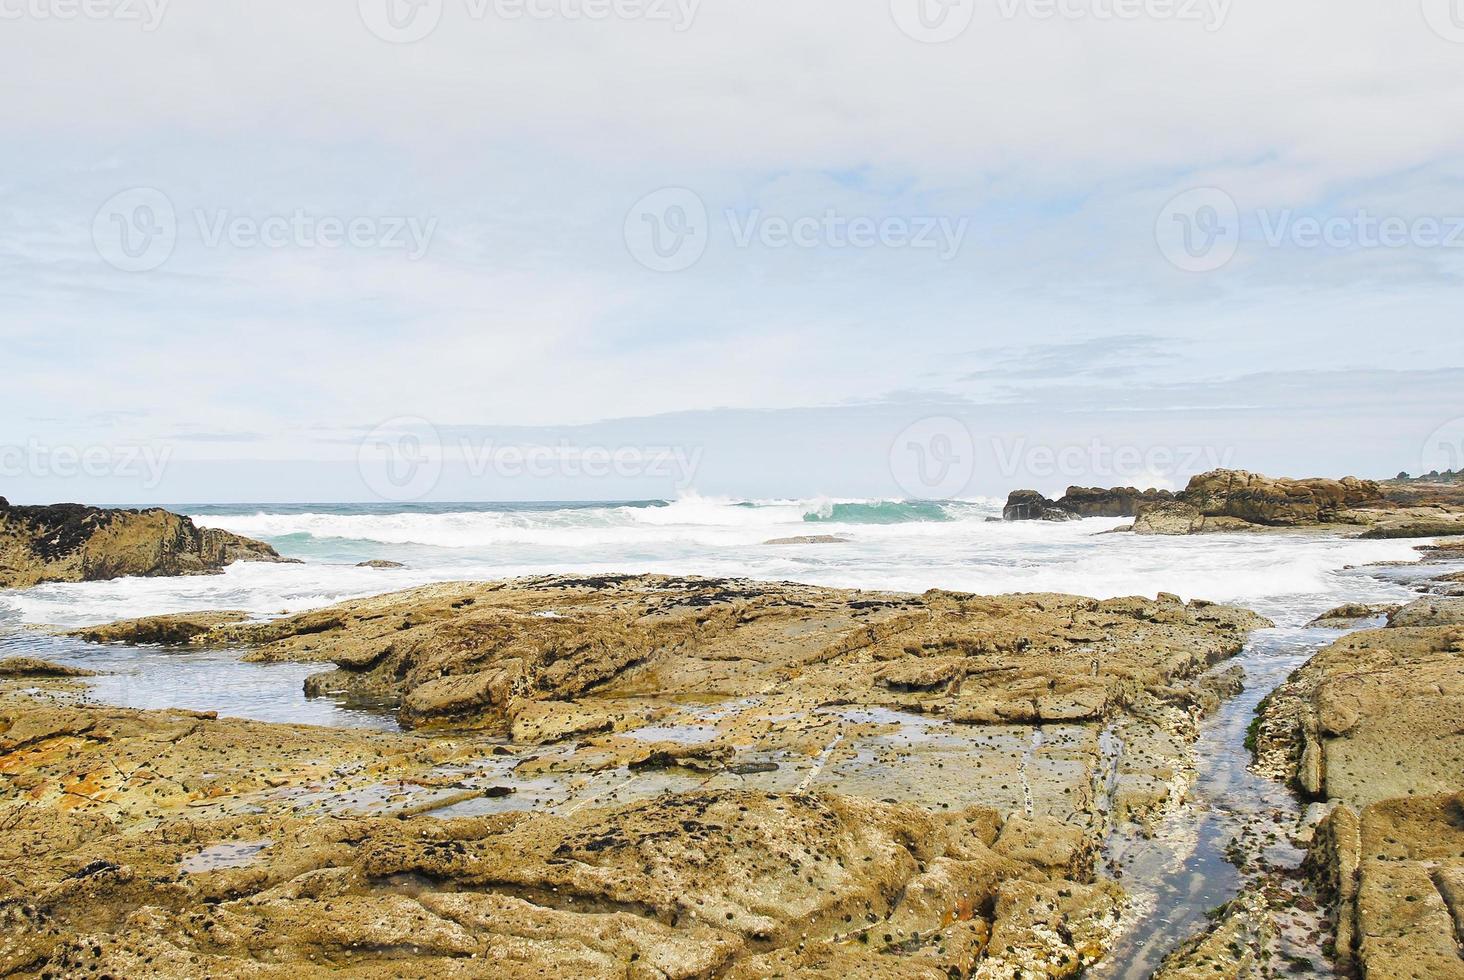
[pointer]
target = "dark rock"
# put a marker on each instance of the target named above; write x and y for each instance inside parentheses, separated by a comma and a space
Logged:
(76, 543)
(1029, 505)
(1115, 502)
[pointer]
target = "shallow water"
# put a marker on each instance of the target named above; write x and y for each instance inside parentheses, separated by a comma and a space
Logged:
(893, 546)
(1185, 870)
(198, 680)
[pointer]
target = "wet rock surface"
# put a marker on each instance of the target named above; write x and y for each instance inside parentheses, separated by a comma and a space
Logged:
(1352, 615)
(1372, 726)
(76, 543)
(757, 780)
(1029, 505)
(483, 654)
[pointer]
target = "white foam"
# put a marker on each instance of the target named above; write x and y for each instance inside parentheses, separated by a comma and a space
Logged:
(1283, 575)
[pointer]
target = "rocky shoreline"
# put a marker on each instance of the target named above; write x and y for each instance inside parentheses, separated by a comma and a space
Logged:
(670, 777)
(1237, 500)
(1373, 727)
(663, 776)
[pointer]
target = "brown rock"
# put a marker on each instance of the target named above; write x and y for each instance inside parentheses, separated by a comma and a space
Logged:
(32, 667)
(1273, 502)
(1115, 502)
(1351, 615)
(75, 543)
(475, 654)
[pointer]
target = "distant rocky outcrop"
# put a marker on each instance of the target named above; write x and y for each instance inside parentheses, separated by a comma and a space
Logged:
(76, 543)
(1111, 502)
(1238, 500)
(1278, 502)
(1029, 505)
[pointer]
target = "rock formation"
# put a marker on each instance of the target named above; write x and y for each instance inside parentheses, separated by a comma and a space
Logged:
(75, 543)
(1236, 500)
(1179, 517)
(1277, 502)
(1372, 725)
(487, 653)
(1115, 502)
(679, 778)
(1029, 505)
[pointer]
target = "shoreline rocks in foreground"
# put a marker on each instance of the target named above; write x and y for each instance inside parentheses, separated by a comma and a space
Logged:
(1237, 500)
(77, 543)
(1373, 726)
(490, 654)
(668, 777)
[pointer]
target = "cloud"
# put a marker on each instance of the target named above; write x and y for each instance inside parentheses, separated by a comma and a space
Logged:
(1117, 355)
(527, 142)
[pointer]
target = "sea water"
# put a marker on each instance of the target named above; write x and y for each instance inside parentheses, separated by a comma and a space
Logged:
(892, 545)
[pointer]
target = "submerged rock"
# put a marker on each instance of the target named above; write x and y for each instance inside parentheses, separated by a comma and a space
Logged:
(1352, 615)
(380, 563)
(76, 543)
(170, 629)
(33, 667)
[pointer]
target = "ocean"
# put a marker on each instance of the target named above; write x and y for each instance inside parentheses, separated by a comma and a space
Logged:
(889, 545)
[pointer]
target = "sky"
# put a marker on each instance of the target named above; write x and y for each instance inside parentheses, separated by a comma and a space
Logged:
(400, 250)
